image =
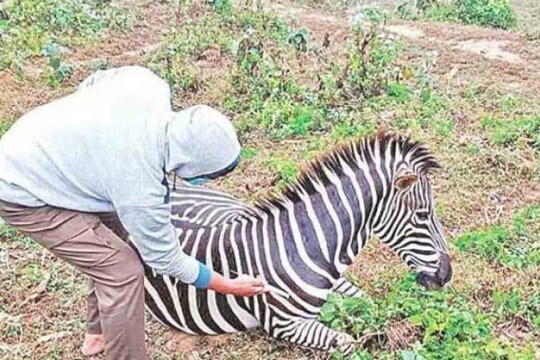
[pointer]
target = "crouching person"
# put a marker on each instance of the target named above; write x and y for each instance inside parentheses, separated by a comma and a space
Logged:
(81, 173)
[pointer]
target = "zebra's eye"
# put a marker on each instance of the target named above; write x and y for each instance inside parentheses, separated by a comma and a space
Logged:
(422, 215)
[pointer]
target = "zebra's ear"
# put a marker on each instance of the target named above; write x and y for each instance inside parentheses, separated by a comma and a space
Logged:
(405, 181)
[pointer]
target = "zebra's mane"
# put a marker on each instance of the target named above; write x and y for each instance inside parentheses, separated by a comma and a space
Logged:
(313, 173)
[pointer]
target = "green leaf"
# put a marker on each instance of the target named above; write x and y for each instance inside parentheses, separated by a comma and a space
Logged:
(410, 355)
(55, 62)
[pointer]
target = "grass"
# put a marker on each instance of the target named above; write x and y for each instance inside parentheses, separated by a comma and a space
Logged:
(514, 245)
(293, 96)
(4, 127)
(408, 322)
(488, 13)
(28, 26)
(261, 60)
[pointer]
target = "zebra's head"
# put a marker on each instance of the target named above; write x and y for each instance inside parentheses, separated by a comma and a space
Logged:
(409, 224)
(376, 186)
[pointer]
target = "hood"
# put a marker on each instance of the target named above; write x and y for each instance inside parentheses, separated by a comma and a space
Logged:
(200, 141)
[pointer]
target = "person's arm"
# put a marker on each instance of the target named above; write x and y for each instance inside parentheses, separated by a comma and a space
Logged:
(154, 236)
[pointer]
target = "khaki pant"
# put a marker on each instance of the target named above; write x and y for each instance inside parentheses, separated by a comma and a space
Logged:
(96, 245)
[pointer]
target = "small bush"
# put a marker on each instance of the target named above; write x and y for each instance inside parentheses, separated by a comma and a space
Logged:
(58, 71)
(489, 13)
(492, 13)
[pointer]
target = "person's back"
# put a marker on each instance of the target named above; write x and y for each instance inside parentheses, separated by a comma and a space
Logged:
(81, 173)
(67, 153)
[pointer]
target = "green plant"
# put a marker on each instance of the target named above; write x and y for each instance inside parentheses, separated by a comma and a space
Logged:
(299, 39)
(444, 127)
(285, 169)
(398, 92)
(491, 13)
(27, 25)
(58, 70)
(4, 127)
(473, 148)
(249, 153)
(511, 245)
(511, 132)
(444, 324)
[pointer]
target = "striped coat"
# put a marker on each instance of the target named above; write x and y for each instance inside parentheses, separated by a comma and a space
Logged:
(302, 242)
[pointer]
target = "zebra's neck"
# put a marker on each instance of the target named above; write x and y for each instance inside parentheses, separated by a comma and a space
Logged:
(327, 225)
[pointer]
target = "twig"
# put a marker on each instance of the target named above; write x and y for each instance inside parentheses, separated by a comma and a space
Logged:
(365, 338)
(52, 337)
(38, 291)
(9, 318)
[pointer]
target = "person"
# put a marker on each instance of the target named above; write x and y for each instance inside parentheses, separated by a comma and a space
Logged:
(81, 173)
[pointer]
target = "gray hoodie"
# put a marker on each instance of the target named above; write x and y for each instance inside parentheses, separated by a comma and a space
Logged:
(108, 147)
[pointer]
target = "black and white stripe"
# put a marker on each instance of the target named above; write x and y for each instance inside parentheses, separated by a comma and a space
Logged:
(302, 242)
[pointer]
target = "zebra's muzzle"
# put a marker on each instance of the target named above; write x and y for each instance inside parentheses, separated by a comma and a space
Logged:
(439, 278)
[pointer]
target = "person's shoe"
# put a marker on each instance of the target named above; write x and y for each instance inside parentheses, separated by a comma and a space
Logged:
(93, 344)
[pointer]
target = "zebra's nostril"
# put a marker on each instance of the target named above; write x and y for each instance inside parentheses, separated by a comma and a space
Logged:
(444, 273)
(437, 280)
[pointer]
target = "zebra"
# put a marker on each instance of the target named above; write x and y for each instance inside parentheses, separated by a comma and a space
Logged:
(302, 241)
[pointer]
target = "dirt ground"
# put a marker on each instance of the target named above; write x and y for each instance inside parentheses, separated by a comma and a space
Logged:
(492, 60)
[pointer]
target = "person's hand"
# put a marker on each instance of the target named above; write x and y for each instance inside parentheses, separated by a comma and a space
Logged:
(247, 286)
(241, 286)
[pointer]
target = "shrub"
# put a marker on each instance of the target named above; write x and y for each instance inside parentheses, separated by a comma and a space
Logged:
(263, 61)
(492, 13)
(489, 13)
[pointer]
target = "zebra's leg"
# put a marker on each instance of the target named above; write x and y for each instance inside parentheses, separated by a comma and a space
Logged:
(346, 288)
(313, 334)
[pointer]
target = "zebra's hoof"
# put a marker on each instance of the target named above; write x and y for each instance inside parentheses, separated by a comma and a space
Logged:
(345, 344)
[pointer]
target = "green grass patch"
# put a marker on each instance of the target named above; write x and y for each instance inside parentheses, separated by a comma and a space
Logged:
(4, 127)
(26, 26)
(286, 170)
(514, 245)
(488, 13)
(521, 131)
(440, 325)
